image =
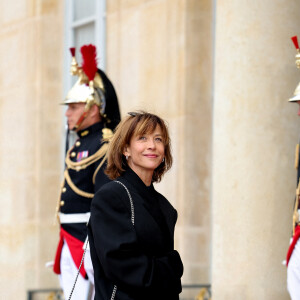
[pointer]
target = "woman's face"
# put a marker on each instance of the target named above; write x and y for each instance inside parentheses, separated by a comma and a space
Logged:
(145, 153)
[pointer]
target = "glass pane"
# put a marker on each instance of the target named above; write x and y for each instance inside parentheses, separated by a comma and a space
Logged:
(84, 35)
(83, 9)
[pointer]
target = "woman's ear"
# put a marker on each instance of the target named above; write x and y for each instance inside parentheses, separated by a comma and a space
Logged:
(125, 150)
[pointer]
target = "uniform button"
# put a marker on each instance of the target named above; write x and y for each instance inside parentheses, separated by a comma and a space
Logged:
(62, 203)
(64, 189)
(77, 144)
(73, 154)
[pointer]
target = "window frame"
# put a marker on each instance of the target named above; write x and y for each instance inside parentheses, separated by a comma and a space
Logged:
(99, 20)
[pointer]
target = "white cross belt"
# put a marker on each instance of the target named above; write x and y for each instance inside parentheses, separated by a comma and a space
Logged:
(74, 218)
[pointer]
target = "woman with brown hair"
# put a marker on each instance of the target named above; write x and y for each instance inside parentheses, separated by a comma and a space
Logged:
(131, 229)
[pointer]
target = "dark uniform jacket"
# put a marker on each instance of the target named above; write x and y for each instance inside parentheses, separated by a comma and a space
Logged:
(139, 259)
(72, 202)
(83, 176)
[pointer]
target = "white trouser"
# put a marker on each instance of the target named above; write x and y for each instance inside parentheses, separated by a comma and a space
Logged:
(293, 273)
(67, 277)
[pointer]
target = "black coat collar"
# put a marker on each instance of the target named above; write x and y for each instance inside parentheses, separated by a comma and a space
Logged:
(156, 204)
(95, 128)
(138, 184)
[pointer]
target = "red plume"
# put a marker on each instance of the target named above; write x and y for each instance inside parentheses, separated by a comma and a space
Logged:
(72, 50)
(295, 41)
(89, 64)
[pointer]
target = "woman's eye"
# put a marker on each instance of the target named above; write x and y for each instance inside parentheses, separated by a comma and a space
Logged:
(159, 139)
(142, 138)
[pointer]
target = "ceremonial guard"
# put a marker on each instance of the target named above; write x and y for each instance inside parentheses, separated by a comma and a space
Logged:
(293, 255)
(93, 113)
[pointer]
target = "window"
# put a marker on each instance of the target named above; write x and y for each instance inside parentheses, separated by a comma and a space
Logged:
(85, 23)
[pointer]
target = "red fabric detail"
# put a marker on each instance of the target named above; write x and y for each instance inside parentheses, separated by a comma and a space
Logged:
(56, 266)
(295, 41)
(72, 50)
(76, 249)
(89, 57)
(293, 243)
(80, 120)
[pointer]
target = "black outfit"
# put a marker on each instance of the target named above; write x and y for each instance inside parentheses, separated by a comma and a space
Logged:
(140, 259)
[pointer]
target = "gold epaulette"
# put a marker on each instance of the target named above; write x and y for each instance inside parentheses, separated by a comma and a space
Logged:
(202, 294)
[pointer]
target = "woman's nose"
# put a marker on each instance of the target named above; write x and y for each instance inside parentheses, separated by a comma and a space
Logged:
(151, 144)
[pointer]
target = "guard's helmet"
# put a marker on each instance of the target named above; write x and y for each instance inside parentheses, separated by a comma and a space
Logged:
(93, 87)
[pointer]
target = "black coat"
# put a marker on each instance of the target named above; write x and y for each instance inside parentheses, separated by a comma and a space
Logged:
(139, 259)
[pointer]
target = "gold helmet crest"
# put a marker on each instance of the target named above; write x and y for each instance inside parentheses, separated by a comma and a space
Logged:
(89, 87)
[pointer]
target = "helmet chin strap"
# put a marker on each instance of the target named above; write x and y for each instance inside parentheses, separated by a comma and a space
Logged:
(80, 120)
(88, 106)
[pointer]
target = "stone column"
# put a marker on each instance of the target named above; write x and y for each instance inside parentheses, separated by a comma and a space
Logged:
(30, 92)
(255, 132)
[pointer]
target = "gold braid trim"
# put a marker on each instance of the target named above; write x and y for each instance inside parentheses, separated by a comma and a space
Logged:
(75, 188)
(98, 168)
(79, 166)
(57, 209)
(87, 161)
(82, 165)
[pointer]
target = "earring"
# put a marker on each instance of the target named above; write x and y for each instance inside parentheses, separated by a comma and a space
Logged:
(163, 160)
(126, 157)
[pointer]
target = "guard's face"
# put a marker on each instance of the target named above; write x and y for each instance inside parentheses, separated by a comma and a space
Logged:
(145, 153)
(73, 113)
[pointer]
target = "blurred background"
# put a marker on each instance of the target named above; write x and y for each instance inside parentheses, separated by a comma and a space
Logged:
(219, 72)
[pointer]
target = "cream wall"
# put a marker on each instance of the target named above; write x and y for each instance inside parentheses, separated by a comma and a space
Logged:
(160, 61)
(220, 74)
(30, 122)
(254, 137)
